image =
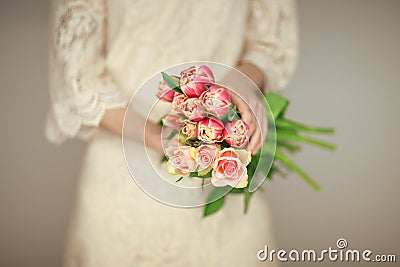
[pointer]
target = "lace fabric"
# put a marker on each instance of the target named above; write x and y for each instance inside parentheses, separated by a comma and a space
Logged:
(82, 87)
(100, 52)
(272, 46)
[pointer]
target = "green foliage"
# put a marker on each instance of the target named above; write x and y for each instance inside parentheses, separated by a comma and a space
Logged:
(283, 123)
(289, 137)
(279, 155)
(171, 82)
(277, 103)
(196, 174)
(179, 179)
(215, 205)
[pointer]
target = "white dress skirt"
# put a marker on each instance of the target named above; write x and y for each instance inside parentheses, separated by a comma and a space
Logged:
(100, 53)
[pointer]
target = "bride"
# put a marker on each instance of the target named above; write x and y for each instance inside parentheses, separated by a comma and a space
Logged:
(100, 52)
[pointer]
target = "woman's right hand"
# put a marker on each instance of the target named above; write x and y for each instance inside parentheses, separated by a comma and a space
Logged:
(113, 121)
(153, 137)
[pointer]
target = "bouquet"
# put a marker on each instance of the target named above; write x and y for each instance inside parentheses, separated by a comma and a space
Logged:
(207, 139)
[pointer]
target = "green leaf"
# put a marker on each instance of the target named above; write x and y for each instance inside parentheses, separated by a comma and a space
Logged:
(247, 196)
(193, 143)
(196, 174)
(232, 114)
(216, 205)
(276, 170)
(272, 171)
(179, 179)
(236, 191)
(279, 172)
(291, 165)
(164, 158)
(289, 124)
(213, 207)
(291, 148)
(172, 83)
(259, 165)
(284, 136)
(251, 168)
(277, 103)
(172, 134)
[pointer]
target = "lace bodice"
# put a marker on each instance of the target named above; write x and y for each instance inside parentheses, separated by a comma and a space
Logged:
(101, 51)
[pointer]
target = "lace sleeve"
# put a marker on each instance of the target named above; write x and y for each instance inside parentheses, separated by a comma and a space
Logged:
(80, 87)
(271, 42)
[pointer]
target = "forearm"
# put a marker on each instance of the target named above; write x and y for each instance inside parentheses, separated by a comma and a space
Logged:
(113, 121)
(254, 73)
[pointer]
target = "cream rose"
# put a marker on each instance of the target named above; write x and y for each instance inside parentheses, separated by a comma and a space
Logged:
(230, 168)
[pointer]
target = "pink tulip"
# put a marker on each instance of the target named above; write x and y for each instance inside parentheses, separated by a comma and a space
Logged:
(236, 133)
(194, 79)
(189, 129)
(193, 110)
(175, 121)
(216, 100)
(230, 168)
(165, 93)
(176, 104)
(210, 130)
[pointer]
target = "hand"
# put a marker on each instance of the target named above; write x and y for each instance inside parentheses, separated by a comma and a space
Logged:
(253, 113)
(153, 137)
(113, 121)
(247, 96)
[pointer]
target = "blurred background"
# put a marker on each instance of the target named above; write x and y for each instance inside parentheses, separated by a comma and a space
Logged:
(347, 77)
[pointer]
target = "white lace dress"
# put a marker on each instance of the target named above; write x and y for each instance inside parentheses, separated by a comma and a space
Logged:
(100, 52)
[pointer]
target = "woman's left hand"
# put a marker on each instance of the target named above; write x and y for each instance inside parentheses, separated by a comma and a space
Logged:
(246, 95)
(253, 113)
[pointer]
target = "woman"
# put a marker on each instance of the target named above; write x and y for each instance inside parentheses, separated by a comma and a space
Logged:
(101, 51)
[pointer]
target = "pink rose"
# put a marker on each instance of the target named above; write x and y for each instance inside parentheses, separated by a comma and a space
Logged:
(165, 93)
(193, 80)
(235, 133)
(230, 168)
(189, 129)
(181, 160)
(210, 130)
(193, 110)
(206, 155)
(216, 100)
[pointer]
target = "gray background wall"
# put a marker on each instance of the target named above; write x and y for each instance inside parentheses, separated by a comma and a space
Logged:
(348, 76)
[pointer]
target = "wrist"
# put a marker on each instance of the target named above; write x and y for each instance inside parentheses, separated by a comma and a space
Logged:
(254, 73)
(153, 136)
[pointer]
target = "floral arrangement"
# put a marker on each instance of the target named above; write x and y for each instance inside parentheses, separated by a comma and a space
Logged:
(207, 138)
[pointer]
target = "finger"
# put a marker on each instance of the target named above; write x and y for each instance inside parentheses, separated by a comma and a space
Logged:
(258, 145)
(249, 120)
(264, 128)
(258, 138)
(263, 124)
(255, 142)
(262, 120)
